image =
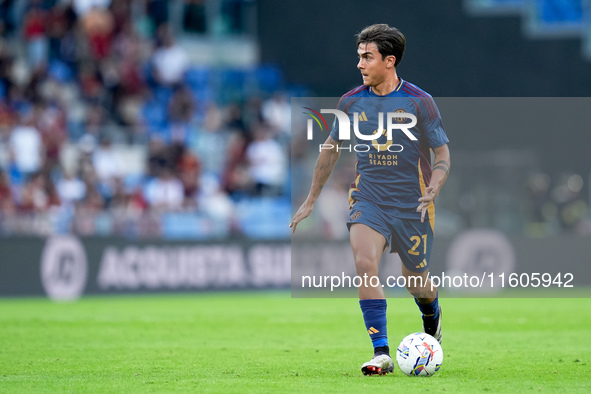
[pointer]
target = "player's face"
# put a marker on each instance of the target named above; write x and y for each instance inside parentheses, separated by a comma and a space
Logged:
(374, 69)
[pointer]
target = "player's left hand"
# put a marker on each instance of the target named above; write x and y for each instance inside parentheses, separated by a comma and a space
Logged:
(426, 200)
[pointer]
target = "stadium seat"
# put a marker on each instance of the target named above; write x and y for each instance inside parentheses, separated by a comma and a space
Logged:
(162, 96)
(198, 78)
(560, 11)
(154, 114)
(269, 78)
(59, 71)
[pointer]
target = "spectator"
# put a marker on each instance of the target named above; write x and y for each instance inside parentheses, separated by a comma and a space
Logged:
(38, 195)
(277, 113)
(137, 202)
(91, 86)
(60, 22)
(211, 140)
(87, 211)
(82, 7)
(7, 121)
(51, 123)
(95, 122)
(216, 203)
(6, 64)
(121, 11)
(132, 86)
(105, 161)
(253, 113)
(34, 32)
(98, 26)
(158, 156)
(165, 192)
(267, 163)
(189, 169)
(70, 189)
(80, 83)
(107, 167)
(181, 106)
(170, 61)
(214, 118)
(26, 148)
(236, 179)
(180, 113)
(234, 121)
(6, 198)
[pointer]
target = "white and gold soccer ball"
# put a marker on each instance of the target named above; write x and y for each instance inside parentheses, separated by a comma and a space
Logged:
(419, 354)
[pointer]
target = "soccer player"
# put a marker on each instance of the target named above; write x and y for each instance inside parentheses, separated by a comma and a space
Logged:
(392, 196)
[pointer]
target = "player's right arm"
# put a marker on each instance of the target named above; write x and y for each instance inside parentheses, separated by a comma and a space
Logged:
(324, 166)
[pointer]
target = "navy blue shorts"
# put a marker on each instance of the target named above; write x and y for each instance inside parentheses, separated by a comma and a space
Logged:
(410, 238)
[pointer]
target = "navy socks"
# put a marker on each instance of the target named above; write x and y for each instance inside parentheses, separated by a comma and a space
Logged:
(374, 315)
(430, 310)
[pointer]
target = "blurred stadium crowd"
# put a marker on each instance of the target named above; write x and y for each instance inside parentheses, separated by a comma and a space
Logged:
(108, 128)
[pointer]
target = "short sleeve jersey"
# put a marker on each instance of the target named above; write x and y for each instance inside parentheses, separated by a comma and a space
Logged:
(392, 174)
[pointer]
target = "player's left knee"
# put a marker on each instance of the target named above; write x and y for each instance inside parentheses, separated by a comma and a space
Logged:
(416, 292)
(417, 288)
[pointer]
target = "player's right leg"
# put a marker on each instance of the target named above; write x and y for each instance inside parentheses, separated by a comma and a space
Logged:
(368, 245)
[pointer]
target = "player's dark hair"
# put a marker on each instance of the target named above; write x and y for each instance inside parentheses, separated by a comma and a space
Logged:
(389, 40)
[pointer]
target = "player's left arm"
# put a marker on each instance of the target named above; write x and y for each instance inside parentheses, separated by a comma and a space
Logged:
(442, 163)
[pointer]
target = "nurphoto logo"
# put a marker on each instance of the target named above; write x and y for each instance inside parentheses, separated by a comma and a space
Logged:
(394, 121)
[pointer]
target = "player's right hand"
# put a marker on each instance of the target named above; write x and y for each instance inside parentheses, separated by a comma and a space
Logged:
(302, 213)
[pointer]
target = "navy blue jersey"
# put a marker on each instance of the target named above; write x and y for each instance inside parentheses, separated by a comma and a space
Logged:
(392, 174)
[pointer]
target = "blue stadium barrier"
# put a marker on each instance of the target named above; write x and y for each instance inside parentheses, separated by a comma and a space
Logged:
(191, 225)
(103, 224)
(265, 218)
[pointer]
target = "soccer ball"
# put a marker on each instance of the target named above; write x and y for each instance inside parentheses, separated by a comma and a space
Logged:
(419, 354)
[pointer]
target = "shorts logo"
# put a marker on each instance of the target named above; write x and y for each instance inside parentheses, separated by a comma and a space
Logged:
(399, 120)
(422, 264)
(356, 215)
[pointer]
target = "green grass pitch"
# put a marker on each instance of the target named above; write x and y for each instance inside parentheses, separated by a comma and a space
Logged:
(267, 342)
